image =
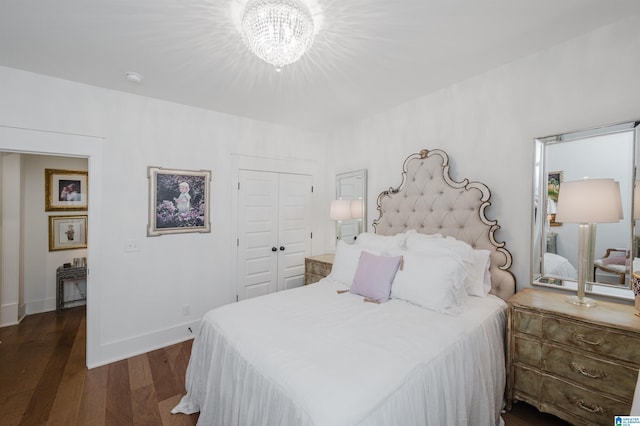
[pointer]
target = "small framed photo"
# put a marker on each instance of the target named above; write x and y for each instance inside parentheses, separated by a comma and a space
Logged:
(65, 190)
(178, 201)
(554, 180)
(67, 232)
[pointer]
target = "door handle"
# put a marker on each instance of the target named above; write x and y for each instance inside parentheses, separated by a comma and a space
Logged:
(274, 249)
(281, 248)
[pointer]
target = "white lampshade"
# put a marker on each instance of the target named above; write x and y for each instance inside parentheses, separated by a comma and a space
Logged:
(357, 209)
(636, 201)
(340, 210)
(589, 201)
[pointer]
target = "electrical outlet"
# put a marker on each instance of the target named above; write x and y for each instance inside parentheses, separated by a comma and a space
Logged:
(131, 245)
(186, 310)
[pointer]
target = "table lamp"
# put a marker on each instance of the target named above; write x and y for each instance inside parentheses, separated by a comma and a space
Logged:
(357, 209)
(340, 210)
(588, 202)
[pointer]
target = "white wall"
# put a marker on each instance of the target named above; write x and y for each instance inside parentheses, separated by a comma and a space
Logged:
(487, 124)
(136, 299)
(39, 263)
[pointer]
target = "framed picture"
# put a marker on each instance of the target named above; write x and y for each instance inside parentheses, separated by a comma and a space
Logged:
(554, 179)
(67, 232)
(178, 201)
(65, 190)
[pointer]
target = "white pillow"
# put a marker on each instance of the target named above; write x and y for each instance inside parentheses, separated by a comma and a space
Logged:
(346, 261)
(432, 280)
(419, 235)
(370, 241)
(420, 242)
(478, 280)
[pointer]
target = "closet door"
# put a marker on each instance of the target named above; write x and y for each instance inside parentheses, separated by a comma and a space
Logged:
(274, 232)
(294, 230)
(257, 233)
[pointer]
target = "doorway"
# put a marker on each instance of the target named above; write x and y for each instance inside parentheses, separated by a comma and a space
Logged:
(33, 141)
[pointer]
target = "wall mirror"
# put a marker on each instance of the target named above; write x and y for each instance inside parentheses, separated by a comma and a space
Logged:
(351, 188)
(604, 152)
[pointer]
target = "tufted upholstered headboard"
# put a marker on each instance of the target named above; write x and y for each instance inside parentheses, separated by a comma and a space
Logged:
(430, 202)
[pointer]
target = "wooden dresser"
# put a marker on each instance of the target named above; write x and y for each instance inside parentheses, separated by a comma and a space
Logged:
(317, 267)
(579, 364)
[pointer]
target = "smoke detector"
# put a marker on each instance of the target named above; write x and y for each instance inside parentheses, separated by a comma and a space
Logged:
(133, 77)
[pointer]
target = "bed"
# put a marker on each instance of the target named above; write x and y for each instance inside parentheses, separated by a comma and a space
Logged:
(558, 266)
(430, 351)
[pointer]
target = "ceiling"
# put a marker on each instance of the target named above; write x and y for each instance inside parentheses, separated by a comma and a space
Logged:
(368, 55)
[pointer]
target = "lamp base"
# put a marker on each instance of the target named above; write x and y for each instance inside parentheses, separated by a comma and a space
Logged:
(581, 301)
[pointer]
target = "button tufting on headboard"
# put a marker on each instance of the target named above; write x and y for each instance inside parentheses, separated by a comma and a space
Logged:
(429, 201)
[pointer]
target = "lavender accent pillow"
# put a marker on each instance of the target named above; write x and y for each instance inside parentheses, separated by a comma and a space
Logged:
(374, 276)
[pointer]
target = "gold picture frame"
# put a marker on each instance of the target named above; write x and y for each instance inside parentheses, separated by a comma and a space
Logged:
(554, 180)
(65, 190)
(67, 232)
(178, 201)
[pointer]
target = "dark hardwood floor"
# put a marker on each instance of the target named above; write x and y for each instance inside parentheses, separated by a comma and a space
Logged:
(44, 381)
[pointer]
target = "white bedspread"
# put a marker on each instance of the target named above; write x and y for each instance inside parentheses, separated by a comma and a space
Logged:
(309, 356)
(558, 266)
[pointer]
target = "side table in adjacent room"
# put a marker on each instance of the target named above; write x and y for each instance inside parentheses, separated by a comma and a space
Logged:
(68, 274)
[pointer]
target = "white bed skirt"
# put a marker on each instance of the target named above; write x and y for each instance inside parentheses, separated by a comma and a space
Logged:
(420, 367)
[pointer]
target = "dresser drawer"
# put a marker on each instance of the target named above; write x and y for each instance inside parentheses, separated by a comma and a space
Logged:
(528, 351)
(526, 383)
(597, 340)
(596, 374)
(527, 322)
(585, 406)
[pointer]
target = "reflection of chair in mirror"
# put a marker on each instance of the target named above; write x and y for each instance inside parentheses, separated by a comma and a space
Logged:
(615, 261)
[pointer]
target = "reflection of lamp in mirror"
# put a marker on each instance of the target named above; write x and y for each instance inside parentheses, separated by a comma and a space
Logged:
(552, 209)
(357, 209)
(587, 202)
(340, 210)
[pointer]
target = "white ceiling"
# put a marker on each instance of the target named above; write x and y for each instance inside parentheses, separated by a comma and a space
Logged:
(368, 56)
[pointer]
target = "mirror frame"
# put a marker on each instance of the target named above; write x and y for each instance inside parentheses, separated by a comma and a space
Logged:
(362, 223)
(538, 234)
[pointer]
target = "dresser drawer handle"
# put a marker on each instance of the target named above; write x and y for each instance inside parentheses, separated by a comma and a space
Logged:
(595, 409)
(593, 374)
(581, 338)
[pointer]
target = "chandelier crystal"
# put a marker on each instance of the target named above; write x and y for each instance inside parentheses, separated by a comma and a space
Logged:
(277, 31)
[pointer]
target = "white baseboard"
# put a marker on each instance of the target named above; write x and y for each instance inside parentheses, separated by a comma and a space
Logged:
(40, 306)
(136, 345)
(9, 314)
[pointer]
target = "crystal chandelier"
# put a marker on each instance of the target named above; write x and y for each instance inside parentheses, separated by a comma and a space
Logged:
(277, 31)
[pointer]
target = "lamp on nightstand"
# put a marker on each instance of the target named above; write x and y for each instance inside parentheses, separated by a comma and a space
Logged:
(588, 202)
(340, 210)
(357, 208)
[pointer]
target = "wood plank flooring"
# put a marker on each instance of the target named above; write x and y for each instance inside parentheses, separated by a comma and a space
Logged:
(44, 381)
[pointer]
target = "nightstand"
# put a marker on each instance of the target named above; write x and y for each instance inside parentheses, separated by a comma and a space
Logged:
(579, 364)
(317, 267)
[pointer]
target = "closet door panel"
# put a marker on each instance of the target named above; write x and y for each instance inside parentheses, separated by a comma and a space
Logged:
(257, 233)
(293, 229)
